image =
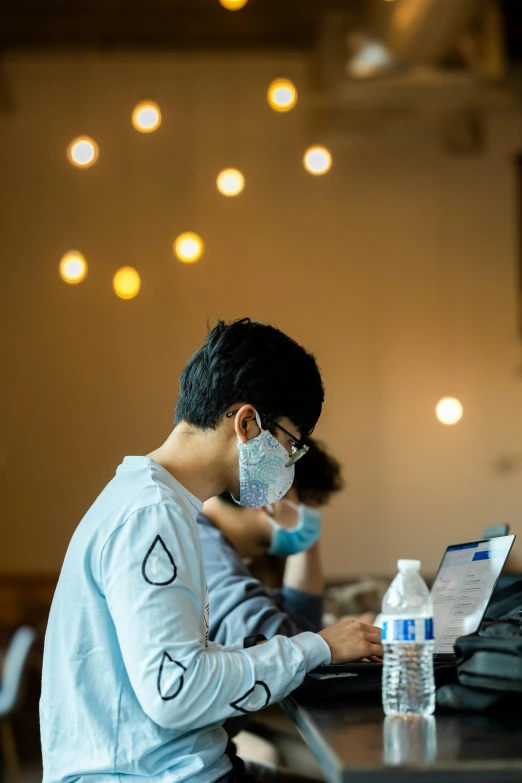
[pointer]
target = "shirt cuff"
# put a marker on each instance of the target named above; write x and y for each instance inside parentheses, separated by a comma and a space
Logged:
(314, 649)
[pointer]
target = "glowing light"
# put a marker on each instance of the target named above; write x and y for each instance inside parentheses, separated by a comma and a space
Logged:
(233, 5)
(230, 182)
(146, 117)
(317, 160)
(73, 267)
(449, 410)
(83, 152)
(189, 247)
(126, 282)
(282, 95)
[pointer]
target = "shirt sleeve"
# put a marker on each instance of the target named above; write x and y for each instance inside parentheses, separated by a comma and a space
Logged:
(154, 586)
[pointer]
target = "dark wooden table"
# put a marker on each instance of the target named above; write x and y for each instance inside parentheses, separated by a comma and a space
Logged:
(354, 742)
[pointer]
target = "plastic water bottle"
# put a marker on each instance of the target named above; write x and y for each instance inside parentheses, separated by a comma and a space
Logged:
(408, 685)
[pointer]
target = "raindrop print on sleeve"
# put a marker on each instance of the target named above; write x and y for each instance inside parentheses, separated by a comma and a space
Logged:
(254, 699)
(170, 677)
(159, 567)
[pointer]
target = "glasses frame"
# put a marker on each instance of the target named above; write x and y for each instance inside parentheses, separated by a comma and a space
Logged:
(299, 447)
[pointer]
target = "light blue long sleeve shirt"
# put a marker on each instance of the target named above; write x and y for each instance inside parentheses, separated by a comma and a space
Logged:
(131, 686)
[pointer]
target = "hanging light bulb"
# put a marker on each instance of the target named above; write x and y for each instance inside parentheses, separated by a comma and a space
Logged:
(126, 282)
(189, 247)
(317, 160)
(146, 117)
(83, 152)
(230, 182)
(233, 5)
(282, 95)
(449, 410)
(73, 267)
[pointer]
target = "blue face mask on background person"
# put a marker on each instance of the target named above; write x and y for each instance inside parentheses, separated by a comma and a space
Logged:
(263, 476)
(290, 541)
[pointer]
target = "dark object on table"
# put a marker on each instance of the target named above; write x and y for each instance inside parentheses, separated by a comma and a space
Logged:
(504, 600)
(492, 658)
(459, 698)
(489, 667)
(341, 682)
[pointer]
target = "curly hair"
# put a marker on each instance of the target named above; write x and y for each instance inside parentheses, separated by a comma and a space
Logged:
(317, 475)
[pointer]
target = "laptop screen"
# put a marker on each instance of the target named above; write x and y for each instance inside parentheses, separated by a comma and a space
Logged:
(463, 586)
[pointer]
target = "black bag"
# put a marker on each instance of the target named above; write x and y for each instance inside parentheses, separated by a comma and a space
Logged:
(503, 601)
(489, 665)
(492, 658)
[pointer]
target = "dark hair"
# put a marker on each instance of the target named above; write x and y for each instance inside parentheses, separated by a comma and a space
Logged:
(317, 475)
(251, 362)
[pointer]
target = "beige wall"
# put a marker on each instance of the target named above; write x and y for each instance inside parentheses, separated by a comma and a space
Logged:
(397, 269)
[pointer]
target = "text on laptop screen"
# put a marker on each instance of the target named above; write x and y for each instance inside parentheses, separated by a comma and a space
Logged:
(463, 587)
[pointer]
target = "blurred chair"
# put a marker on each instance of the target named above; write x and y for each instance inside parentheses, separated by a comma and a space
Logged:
(13, 668)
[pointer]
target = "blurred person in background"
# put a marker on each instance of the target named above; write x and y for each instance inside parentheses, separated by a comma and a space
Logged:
(131, 684)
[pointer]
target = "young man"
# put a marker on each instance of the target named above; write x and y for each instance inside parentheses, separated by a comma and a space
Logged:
(131, 686)
(240, 605)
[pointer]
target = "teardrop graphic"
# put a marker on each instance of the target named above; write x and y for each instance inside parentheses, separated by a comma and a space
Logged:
(254, 699)
(170, 677)
(158, 567)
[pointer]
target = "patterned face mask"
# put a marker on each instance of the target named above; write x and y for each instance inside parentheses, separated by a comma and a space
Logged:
(263, 475)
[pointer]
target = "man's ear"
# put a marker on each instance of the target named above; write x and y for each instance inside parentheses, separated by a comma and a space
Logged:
(245, 423)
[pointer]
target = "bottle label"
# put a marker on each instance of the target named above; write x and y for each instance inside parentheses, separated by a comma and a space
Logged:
(401, 629)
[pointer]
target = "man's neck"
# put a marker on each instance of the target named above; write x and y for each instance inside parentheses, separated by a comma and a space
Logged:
(196, 459)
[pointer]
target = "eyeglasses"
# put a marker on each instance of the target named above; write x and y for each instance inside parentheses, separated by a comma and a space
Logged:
(299, 448)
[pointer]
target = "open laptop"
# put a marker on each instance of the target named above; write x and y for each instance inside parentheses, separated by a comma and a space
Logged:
(461, 592)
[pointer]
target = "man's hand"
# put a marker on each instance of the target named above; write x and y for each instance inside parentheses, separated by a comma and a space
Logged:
(366, 617)
(350, 640)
